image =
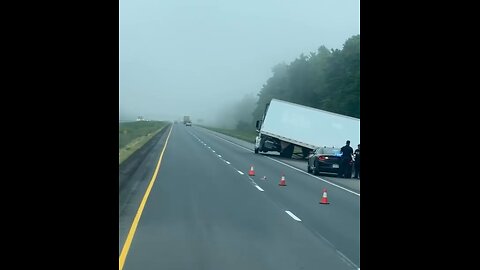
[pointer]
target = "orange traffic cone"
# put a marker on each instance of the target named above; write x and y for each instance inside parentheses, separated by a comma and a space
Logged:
(324, 199)
(251, 172)
(282, 181)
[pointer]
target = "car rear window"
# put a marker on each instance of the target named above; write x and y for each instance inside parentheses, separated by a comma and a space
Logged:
(330, 151)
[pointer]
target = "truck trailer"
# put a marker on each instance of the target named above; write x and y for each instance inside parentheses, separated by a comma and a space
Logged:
(285, 125)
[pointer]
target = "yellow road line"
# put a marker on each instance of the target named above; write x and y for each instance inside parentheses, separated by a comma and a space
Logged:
(131, 233)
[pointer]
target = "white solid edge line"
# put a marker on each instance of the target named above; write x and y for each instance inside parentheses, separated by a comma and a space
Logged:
(259, 188)
(333, 184)
(240, 172)
(346, 259)
(292, 215)
(326, 181)
(232, 143)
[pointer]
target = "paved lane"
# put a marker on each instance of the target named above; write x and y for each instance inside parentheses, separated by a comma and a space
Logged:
(203, 213)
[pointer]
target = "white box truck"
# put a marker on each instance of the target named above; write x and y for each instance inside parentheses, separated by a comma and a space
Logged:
(285, 125)
(186, 120)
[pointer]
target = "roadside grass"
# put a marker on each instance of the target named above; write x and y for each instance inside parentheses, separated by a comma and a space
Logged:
(248, 136)
(133, 135)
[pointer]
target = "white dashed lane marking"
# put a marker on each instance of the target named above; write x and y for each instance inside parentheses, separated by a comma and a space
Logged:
(292, 215)
(259, 188)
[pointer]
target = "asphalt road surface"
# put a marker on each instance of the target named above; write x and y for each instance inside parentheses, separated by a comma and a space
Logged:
(190, 204)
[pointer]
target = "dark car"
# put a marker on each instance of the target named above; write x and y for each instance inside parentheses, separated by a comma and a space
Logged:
(324, 159)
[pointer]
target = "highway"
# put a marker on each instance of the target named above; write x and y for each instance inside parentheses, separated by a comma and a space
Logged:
(196, 207)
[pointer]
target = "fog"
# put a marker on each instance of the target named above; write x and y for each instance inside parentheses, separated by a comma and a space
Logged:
(203, 58)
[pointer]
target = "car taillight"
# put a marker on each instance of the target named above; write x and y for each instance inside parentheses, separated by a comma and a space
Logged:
(322, 158)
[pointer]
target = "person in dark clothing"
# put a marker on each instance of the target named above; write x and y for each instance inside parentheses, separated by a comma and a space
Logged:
(357, 162)
(346, 158)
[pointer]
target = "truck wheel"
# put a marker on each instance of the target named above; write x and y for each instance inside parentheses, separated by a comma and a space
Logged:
(305, 152)
(288, 151)
(256, 150)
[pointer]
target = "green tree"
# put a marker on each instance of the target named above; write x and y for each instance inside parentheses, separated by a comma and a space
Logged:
(327, 79)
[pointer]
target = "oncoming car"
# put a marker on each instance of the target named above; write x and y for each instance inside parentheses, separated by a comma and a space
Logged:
(188, 124)
(324, 159)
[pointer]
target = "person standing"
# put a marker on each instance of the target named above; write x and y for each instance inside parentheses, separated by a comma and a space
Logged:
(357, 162)
(346, 158)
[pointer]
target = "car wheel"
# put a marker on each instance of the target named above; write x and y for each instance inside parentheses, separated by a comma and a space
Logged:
(309, 170)
(315, 169)
(256, 150)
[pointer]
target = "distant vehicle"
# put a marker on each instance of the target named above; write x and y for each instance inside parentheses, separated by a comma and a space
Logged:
(325, 159)
(186, 119)
(188, 124)
(285, 125)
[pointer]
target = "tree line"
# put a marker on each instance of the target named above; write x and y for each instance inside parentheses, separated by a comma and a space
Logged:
(326, 79)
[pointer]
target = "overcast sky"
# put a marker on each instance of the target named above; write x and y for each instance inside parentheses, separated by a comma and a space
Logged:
(194, 57)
